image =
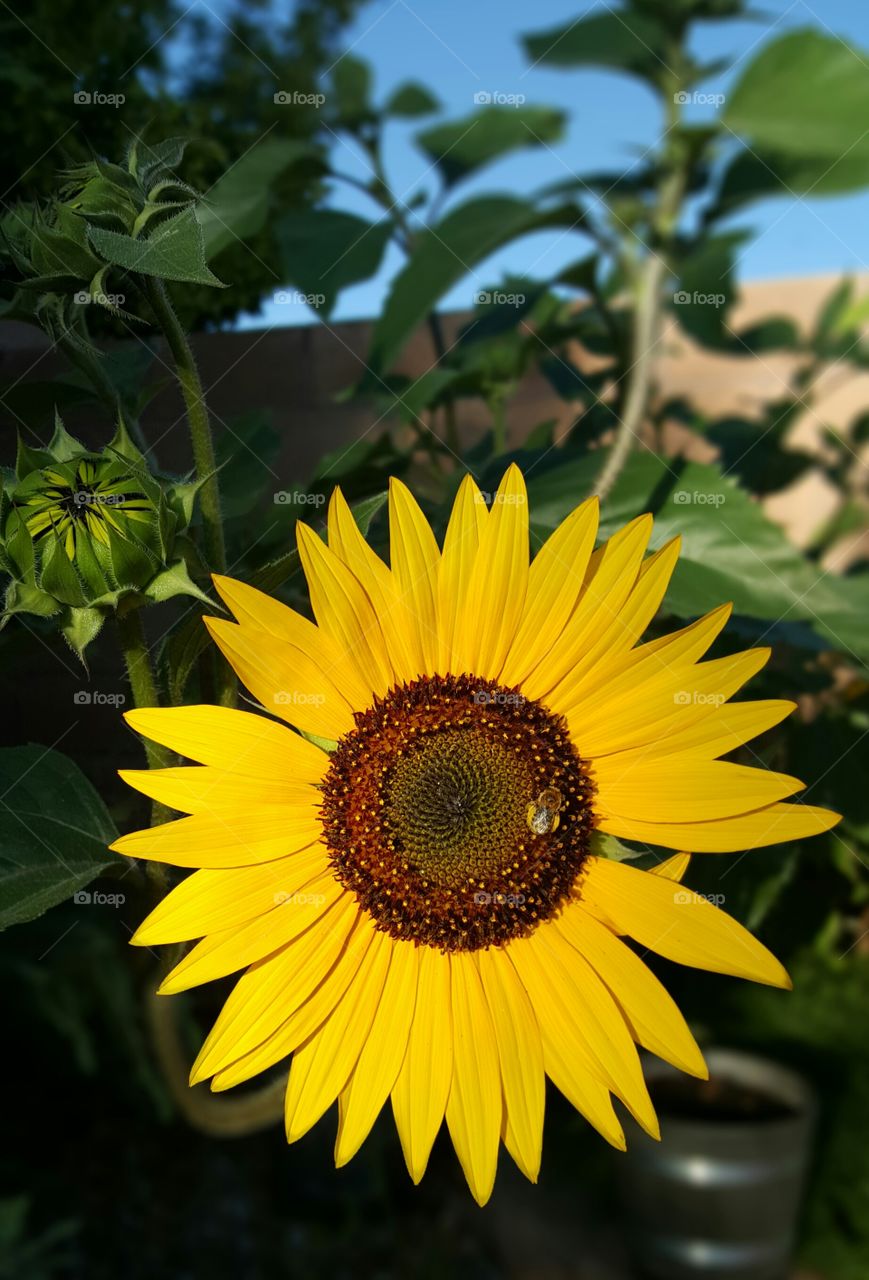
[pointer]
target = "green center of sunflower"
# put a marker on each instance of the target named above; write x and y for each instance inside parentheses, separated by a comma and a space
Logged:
(458, 812)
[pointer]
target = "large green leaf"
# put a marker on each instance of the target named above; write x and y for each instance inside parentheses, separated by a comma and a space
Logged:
(54, 830)
(237, 205)
(762, 175)
(324, 250)
(446, 253)
(624, 41)
(458, 147)
(805, 94)
(730, 550)
(174, 251)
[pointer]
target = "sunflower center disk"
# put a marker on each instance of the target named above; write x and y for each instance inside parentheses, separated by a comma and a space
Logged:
(458, 812)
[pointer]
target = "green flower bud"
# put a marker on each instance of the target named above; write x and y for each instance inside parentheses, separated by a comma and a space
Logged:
(84, 533)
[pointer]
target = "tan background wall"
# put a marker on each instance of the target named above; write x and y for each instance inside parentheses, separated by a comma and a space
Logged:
(297, 374)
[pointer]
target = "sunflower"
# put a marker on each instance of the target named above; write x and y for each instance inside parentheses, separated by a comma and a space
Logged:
(410, 869)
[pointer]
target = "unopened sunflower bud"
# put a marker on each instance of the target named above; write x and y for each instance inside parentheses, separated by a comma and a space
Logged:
(83, 533)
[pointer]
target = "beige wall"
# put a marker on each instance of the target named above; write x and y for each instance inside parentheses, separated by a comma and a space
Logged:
(297, 373)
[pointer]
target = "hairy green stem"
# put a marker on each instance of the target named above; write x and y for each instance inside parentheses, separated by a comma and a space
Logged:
(216, 673)
(131, 636)
(499, 425)
(197, 419)
(649, 279)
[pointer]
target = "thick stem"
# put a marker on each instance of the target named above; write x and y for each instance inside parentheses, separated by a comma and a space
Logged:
(214, 669)
(197, 419)
(131, 636)
(648, 307)
(646, 320)
(499, 425)
(213, 1114)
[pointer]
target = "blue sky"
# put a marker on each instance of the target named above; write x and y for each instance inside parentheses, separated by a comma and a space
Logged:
(461, 47)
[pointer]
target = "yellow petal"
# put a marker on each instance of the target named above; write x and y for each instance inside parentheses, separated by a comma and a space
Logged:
(619, 631)
(724, 729)
(261, 612)
(379, 583)
(309, 1011)
(211, 901)
(382, 1054)
(636, 674)
(566, 1056)
(415, 558)
(676, 923)
(273, 989)
(555, 580)
(520, 1052)
(682, 789)
(775, 823)
(344, 611)
(237, 741)
(231, 839)
(492, 608)
(587, 1002)
(672, 868)
(652, 1016)
(204, 789)
(474, 1106)
(419, 1097)
(288, 682)
(322, 1065)
(664, 706)
(461, 543)
(611, 575)
(295, 909)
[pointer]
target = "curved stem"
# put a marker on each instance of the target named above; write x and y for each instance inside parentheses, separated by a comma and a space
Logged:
(646, 319)
(210, 1113)
(197, 418)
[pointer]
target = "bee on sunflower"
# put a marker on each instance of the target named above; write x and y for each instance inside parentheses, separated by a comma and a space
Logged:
(409, 870)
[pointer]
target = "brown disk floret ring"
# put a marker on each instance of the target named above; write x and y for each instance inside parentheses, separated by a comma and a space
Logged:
(458, 811)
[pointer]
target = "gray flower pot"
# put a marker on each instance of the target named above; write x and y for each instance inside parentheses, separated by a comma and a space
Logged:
(718, 1197)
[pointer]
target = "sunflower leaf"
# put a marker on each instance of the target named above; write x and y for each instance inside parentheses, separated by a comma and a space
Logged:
(54, 830)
